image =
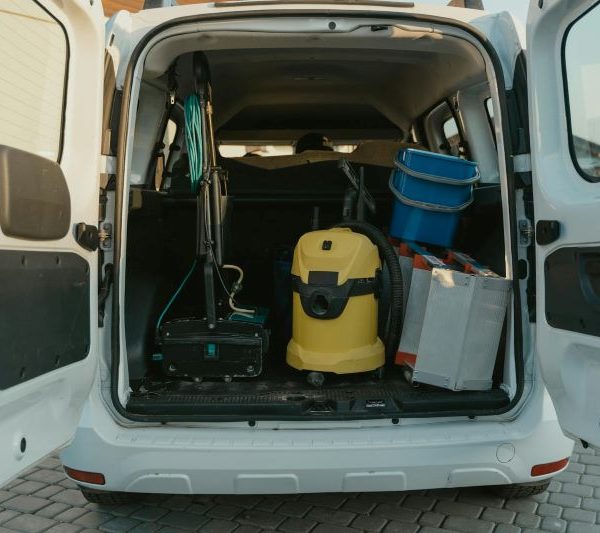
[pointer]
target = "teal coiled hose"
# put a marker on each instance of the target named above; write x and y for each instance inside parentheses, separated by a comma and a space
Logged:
(194, 143)
(193, 139)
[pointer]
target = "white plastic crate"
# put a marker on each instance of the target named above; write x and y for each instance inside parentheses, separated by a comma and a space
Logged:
(453, 324)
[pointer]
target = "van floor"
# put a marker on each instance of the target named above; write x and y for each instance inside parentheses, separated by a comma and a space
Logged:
(290, 396)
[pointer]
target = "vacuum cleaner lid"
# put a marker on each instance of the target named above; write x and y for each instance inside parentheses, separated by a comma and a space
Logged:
(337, 254)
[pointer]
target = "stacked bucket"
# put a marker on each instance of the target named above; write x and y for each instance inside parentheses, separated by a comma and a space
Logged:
(454, 307)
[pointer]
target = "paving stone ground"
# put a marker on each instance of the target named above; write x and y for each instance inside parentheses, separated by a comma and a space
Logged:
(44, 500)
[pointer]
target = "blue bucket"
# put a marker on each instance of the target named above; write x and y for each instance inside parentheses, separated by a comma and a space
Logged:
(431, 191)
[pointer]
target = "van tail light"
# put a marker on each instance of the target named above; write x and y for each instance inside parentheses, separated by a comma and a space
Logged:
(549, 468)
(85, 477)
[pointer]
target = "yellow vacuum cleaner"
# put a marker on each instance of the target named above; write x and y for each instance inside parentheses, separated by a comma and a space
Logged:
(335, 310)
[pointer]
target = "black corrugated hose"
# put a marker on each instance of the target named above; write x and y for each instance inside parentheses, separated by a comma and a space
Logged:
(390, 259)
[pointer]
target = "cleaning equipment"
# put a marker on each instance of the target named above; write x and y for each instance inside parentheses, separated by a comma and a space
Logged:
(431, 191)
(454, 319)
(334, 303)
(224, 344)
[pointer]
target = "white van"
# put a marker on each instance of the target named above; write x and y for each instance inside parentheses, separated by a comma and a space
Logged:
(97, 232)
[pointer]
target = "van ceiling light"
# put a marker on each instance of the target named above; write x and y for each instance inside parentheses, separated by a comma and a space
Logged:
(93, 478)
(549, 468)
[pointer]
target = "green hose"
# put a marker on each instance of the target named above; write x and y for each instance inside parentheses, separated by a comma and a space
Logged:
(193, 139)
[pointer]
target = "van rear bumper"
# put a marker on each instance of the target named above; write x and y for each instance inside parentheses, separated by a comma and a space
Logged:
(220, 459)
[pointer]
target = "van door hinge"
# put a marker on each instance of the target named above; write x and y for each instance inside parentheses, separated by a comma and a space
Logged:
(105, 236)
(526, 232)
(522, 163)
(108, 164)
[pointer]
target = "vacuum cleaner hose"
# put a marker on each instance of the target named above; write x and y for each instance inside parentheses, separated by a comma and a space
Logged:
(396, 313)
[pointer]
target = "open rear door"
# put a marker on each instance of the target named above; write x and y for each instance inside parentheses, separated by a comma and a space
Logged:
(51, 59)
(563, 40)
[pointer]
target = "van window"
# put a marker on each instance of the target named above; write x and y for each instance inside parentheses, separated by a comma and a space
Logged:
(452, 136)
(582, 84)
(33, 47)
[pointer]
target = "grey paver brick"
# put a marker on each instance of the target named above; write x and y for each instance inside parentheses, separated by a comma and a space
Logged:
(248, 501)
(554, 524)
(219, 526)
(118, 524)
(70, 497)
(64, 528)
(68, 484)
(422, 503)
(46, 476)
(580, 527)
(480, 497)
(578, 468)
(149, 514)
(51, 463)
(330, 516)
(28, 487)
(578, 489)
(444, 494)
(403, 527)
(590, 459)
(592, 469)
(591, 504)
(565, 500)
(328, 528)
(260, 518)
(467, 510)
(225, 512)
(48, 491)
(297, 525)
(593, 481)
(396, 513)
(501, 516)
(50, 511)
(125, 509)
(269, 504)
(568, 477)
(356, 505)
(527, 520)
(183, 520)
(431, 530)
(70, 514)
(7, 515)
(468, 525)
(198, 508)
(334, 501)
(369, 523)
(25, 504)
(555, 486)
(507, 528)
(178, 502)
(548, 509)
(5, 495)
(93, 519)
(247, 529)
(579, 515)
(145, 527)
(294, 509)
(432, 519)
(29, 523)
(521, 505)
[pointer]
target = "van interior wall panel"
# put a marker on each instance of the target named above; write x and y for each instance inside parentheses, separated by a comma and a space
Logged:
(35, 202)
(46, 313)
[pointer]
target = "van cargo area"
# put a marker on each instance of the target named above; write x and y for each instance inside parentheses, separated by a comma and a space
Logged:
(307, 129)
